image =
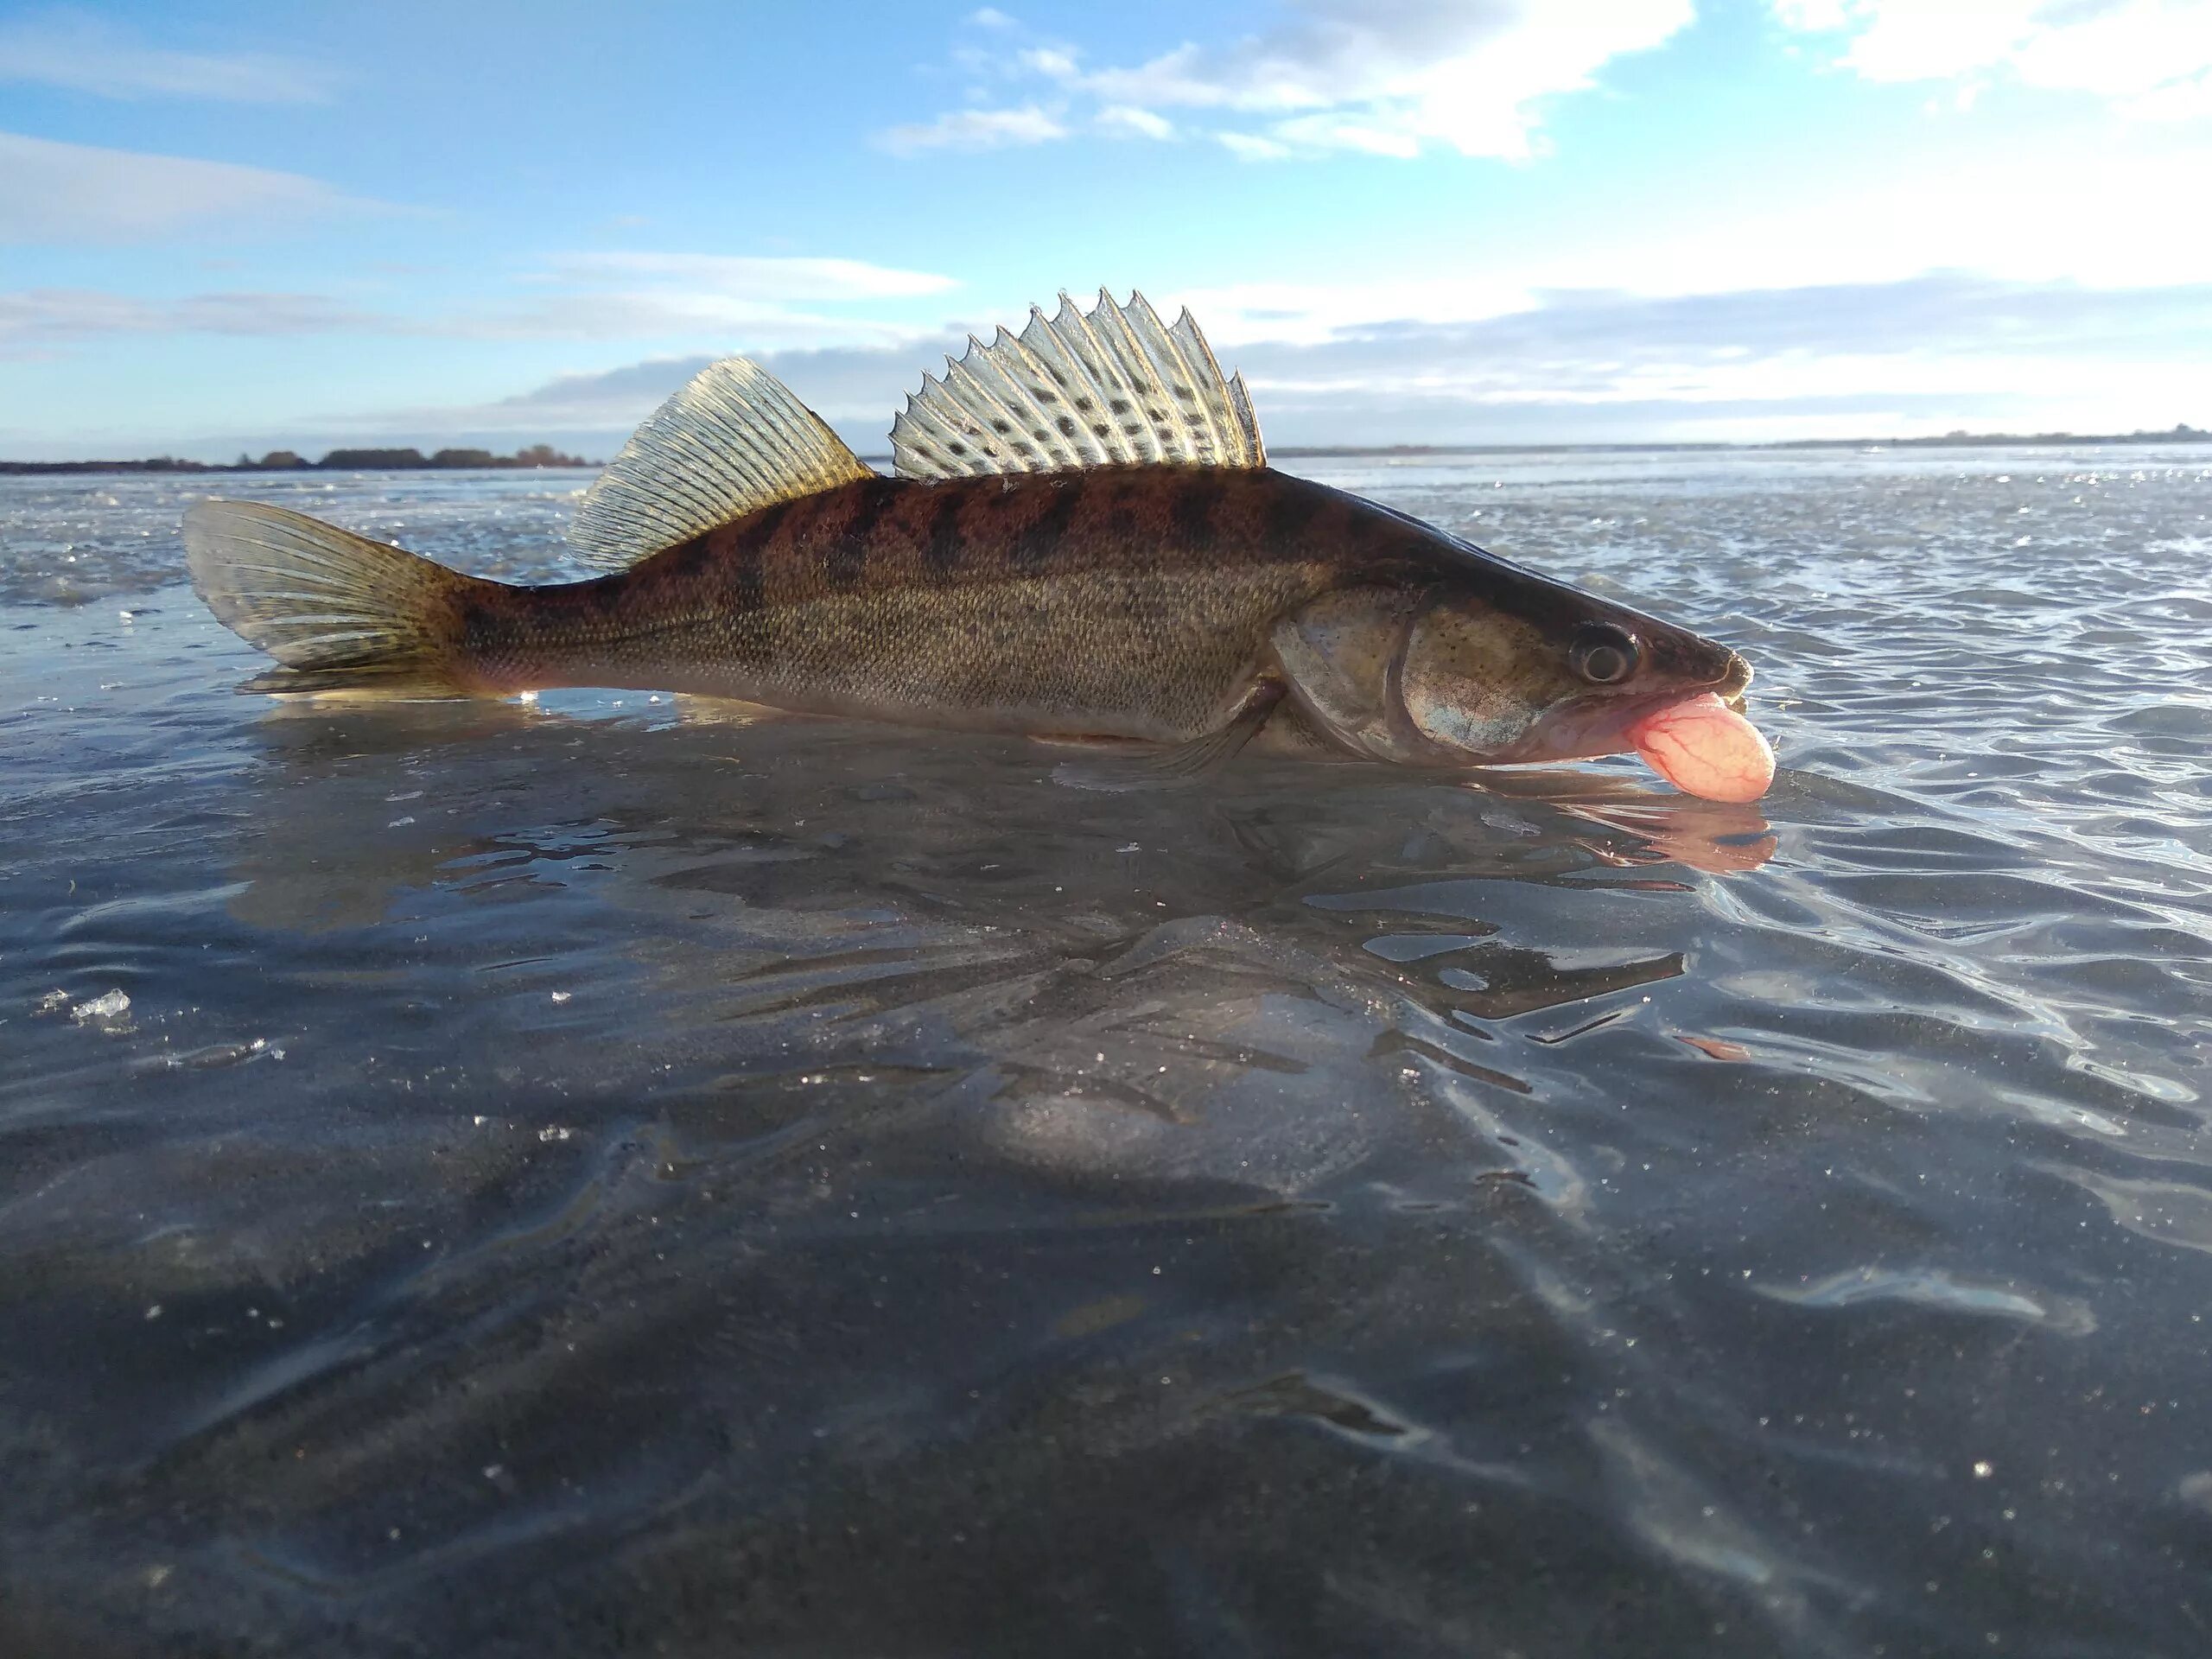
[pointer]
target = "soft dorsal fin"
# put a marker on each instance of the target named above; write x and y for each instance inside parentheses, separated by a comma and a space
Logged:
(1112, 388)
(734, 441)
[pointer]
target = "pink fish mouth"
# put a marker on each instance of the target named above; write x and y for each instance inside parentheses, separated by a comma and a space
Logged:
(1705, 748)
(1695, 741)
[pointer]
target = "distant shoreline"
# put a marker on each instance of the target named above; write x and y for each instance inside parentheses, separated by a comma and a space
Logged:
(2182, 434)
(536, 456)
(545, 457)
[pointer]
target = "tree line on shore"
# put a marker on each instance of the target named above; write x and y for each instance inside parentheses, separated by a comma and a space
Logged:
(337, 461)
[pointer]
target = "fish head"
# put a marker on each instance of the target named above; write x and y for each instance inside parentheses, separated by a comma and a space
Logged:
(1490, 683)
(1513, 669)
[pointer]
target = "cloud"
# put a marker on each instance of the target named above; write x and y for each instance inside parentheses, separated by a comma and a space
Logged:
(755, 301)
(852, 386)
(1934, 351)
(35, 321)
(1055, 62)
(1923, 355)
(756, 304)
(1579, 340)
(975, 130)
(1126, 121)
(1392, 79)
(86, 54)
(1245, 147)
(758, 278)
(1338, 366)
(58, 193)
(2150, 59)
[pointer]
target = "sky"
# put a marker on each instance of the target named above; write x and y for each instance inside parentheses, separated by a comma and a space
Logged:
(241, 226)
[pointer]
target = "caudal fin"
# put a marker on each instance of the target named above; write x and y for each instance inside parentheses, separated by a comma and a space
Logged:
(341, 610)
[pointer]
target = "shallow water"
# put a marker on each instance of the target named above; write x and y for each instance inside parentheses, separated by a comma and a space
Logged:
(596, 1177)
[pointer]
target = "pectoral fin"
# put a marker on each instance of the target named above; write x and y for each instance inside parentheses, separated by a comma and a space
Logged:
(1183, 765)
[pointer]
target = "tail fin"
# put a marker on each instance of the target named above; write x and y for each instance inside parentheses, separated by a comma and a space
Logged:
(342, 612)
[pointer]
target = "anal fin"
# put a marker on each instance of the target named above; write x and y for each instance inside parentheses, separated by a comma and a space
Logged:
(401, 682)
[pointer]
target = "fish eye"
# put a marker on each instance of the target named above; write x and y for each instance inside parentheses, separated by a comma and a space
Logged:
(1603, 654)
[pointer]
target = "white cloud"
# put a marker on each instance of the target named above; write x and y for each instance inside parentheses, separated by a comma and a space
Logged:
(1245, 147)
(2150, 59)
(728, 301)
(1384, 79)
(1381, 136)
(672, 313)
(2111, 215)
(741, 276)
(745, 301)
(1311, 314)
(1924, 355)
(975, 130)
(86, 53)
(1927, 354)
(2179, 100)
(1126, 121)
(857, 387)
(58, 193)
(1055, 62)
(1362, 367)
(40, 318)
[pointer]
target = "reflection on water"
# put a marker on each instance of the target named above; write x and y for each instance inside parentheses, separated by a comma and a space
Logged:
(612, 1177)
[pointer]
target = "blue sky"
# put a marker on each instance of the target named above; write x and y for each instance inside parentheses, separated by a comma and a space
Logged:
(246, 226)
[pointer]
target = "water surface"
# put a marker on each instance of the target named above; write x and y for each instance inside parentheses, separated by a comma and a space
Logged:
(595, 1177)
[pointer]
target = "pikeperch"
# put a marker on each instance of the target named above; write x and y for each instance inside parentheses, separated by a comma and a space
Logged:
(1084, 540)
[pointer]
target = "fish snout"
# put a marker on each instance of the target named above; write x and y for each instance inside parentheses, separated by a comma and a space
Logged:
(1734, 681)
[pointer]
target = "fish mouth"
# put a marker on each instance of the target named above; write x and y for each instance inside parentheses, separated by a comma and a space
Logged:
(1591, 727)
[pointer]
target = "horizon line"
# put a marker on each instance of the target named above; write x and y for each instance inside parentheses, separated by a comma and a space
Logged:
(2181, 432)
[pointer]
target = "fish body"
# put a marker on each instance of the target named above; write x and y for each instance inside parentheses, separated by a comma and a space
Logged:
(1165, 601)
(1131, 602)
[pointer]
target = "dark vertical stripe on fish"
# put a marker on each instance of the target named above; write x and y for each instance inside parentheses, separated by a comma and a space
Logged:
(1043, 536)
(844, 561)
(748, 568)
(1118, 514)
(476, 622)
(941, 553)
(1192, 515)
(1288, 513)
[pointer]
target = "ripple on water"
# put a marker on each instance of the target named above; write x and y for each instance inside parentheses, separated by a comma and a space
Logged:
(609, 1166)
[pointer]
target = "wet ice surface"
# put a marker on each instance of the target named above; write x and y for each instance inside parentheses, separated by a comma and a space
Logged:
(587, 1178)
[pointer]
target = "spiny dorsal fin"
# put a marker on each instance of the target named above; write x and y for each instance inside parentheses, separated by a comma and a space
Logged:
(734, 441)
(1112, 388)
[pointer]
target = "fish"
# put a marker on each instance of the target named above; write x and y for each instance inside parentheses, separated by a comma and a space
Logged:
(1081, 541)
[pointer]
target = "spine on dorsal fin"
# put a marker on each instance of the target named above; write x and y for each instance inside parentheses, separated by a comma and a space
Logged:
(1114, 387)
(734, 441)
